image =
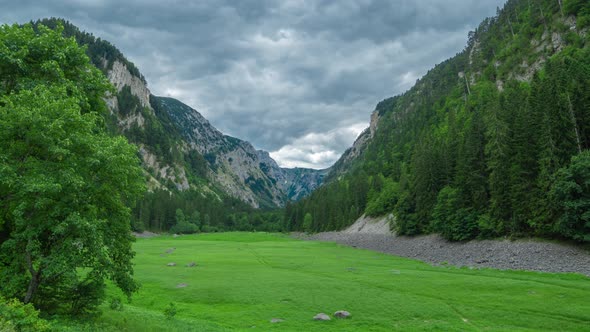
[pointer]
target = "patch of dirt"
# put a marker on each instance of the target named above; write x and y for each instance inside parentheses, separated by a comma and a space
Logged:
(144, 234)
(368, 225)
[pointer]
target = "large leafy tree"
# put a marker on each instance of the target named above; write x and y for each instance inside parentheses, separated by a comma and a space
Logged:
(65, 184)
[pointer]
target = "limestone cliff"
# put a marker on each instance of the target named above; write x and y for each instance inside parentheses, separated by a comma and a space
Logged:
(235, 165)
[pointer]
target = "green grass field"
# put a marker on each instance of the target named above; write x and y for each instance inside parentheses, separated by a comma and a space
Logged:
(243, 280)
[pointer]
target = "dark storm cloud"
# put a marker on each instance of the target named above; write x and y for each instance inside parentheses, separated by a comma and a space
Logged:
(298, 78)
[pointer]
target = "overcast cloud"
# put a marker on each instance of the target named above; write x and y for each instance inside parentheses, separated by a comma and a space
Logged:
(298, 78)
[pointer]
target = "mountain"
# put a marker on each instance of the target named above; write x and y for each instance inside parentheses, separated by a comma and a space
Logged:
(235, 165)
(179, 148)
(488, 143)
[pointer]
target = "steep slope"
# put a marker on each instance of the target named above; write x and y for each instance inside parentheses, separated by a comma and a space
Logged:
(180, 149)
(481, 145)
(234, 165)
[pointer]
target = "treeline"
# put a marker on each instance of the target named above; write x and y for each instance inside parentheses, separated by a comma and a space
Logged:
(101, 53)
(477, 148)
(195, 211)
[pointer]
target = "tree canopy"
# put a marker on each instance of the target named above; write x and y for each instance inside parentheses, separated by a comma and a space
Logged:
(66, 186)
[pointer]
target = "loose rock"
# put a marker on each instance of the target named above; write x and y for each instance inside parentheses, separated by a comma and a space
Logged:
(342, 314)
(182, 285)
(321, 316)
(499, 254)
(171, 264)
(277, 320)
(191, 264)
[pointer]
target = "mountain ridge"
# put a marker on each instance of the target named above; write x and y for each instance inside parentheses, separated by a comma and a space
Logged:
(178, 146)
(483, 144)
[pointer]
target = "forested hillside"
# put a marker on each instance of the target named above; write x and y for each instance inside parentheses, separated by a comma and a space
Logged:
(491, 142)
(191, 168)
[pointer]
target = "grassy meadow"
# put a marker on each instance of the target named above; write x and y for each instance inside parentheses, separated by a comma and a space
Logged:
(243, 280)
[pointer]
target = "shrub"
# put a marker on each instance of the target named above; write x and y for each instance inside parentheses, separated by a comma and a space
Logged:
(170, 311)
(116, 304)
(16, 316)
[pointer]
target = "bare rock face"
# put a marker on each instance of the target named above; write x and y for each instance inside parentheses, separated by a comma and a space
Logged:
(321, 316)
(236, 166)
(120, 76)
(342, 314)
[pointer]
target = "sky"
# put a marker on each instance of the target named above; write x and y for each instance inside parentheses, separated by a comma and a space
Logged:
(297, 78)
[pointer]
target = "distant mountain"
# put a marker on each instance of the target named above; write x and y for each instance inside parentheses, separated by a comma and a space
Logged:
(180, 149)
(234, 165)
(485, 144)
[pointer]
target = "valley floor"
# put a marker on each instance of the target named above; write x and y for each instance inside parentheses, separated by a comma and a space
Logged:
(272, 282)
(524, 254)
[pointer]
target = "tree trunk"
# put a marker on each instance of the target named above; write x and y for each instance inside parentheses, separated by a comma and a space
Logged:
(574, 123)
(35, 279)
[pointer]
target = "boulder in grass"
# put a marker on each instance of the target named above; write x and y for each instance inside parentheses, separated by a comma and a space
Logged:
(321, 316)
(191, 264)
(342, 314)
(277, 320)
(171, 264)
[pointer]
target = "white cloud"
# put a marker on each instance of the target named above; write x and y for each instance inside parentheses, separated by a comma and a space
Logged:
(317, 150)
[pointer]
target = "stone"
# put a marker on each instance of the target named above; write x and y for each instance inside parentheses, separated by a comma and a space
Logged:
(342, 314)
(191, 264)
(181, 285)
(277, 320)
(171, 264)
(120, 76)
(171, 250)
(321, 316)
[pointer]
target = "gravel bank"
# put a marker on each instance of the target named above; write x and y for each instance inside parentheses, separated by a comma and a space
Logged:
(501, 254)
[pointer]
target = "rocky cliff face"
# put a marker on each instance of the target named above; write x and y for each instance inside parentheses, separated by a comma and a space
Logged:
(179, 148)
(235, 165)
(120, 76)
(355, 151)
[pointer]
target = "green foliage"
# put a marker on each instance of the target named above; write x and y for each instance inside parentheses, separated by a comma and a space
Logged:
(98, 50)
(127, 102)
(385, 201)
(473, 148)
(183, 226)
(307, 222)
(116, 303)
(571, 192)
(580, 8)
(65, 184)
(16, 316)
(160, 210)
(406, 222)
(170, 310)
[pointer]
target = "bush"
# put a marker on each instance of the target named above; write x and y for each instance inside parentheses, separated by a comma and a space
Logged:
(170, 311)
(16, 316)
(184, 228)
(116, 304)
